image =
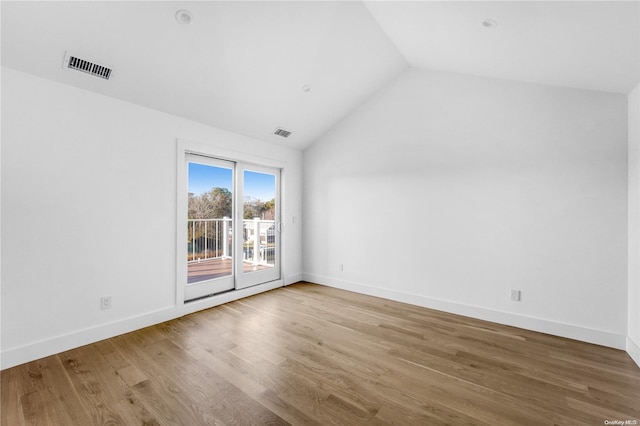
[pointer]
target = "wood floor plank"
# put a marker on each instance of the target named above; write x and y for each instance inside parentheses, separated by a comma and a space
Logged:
(164, 394)
(10, 411)
(313, 355)
(92, 389)
(216, 394)
(288, 412)
(402, 415)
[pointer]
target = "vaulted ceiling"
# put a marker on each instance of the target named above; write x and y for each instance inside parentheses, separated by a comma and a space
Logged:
(250, 67)
(591, 45)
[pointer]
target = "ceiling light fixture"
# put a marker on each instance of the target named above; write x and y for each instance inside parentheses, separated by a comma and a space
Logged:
(184, 17)
(489, 23)
(306, 88)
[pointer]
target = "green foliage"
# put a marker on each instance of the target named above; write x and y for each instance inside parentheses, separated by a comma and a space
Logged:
(258, 208)
(214, 204)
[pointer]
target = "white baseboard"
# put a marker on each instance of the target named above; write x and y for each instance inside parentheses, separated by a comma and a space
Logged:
(19, 355)
(220, 299)
(293, 278)
(633, 349)
(570, 331)
(22, 354)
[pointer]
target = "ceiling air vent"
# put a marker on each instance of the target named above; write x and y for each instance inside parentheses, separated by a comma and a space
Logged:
(282, 132)
(88, 67)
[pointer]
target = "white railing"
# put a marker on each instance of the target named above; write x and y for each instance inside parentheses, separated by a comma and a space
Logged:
(259, 241)
(211, 239)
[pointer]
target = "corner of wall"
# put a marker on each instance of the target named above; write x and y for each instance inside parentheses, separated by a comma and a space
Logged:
(633, 349)
(293, 278)
(633, 226)
(1, 68)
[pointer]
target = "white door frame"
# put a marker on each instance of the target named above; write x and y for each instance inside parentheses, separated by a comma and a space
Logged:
(215, 149)
(248, 279)
(216, 285)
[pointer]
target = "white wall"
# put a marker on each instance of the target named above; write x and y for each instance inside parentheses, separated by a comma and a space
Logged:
(88, 209)
(447, 191)
(633, 325)
(0, 227)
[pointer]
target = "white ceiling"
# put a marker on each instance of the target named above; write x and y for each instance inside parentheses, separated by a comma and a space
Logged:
(591, 45)
(241, 66)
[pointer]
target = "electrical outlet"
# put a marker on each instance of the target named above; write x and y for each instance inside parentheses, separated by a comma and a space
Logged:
(515, 295)
(341, 267)
(105, 302)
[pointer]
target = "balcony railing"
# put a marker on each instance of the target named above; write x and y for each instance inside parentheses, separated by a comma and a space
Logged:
(259, 241)
(212, 239)
(207, 239)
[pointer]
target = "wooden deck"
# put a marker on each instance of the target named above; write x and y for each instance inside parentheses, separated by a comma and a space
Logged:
(216, 268)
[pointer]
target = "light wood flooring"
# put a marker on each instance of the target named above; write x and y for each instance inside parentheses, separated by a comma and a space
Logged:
(313, 355)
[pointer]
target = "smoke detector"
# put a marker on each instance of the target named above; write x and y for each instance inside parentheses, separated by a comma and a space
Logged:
(184, 17)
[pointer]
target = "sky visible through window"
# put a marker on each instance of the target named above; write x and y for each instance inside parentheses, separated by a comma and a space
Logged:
(203, 178)
(259, 185)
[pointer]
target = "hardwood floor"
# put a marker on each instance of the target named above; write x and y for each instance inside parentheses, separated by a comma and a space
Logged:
(313, 355)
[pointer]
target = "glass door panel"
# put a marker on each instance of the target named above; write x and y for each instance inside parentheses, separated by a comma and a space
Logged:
(210, 266)
(260, 226)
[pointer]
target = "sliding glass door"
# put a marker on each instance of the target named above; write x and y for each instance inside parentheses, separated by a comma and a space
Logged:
(210, 266)
(233, 226)
(260, 212)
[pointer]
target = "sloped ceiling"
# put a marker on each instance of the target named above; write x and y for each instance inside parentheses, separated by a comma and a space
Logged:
(239, 66)
(592, 45)
(242, 66)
